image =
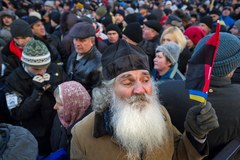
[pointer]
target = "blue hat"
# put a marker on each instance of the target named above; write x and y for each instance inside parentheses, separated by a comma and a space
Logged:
(228, 54)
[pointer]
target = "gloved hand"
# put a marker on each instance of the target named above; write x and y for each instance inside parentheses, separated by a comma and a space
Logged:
(200, 120)
(42, 82)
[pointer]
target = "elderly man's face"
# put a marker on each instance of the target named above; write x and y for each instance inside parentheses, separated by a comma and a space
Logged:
(136, 82)
(82, 46)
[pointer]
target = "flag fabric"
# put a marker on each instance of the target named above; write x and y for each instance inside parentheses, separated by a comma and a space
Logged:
(200, 68)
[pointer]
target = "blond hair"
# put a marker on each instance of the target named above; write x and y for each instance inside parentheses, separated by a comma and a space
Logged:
(178, 36)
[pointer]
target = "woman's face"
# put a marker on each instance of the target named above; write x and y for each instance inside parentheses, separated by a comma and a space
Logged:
(168, 38)
(161, 63)
(58, 106)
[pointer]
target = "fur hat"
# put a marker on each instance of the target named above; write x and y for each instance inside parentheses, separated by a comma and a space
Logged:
(228, 54)
(134, 32)
(20, 28)
(171, 50)
(195, 33)
(121, 57)
(82, 30)
(36, 54)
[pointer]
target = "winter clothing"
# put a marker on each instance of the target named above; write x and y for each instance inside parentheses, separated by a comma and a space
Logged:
(172, 74)
(207, 20)
(221, 94)
(170, 50)
(36, 54)
(227, 59)
(75, 100)
(31, 107)
(134, 32)
(82, 30)
(17, 143)
(86, 146)
(114, 27)
(121, 57)
(195, 34)
(101, 11)
(155, 25)
(20, 28)
(131, 18)
(174, 21)
(86, 70)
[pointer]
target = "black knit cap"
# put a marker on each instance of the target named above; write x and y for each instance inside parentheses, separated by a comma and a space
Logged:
(32, 20)
(55, 16)
(134, 32)
(20, 28)
(121, 57)
(154, 25)
(130, 18)
(114, 27)
(207, 20)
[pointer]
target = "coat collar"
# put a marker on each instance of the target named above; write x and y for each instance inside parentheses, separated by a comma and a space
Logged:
(220, 81)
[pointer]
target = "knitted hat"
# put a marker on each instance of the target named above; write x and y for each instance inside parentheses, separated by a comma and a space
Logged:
(82, 30)
(155, 25)
(101, 11)
(228, 54)
(237, 24)
(32, 20)
(207, 20)
(121, 57)
(76, 101)
(55, 16)
(171, 50)
(20, 28)
(174, 21)
(36, 54)
(121, 12)
(134, 32)
(195, 33)
(129, 10)
(49, 3)
(131, 18)
(114, 27)
(215, 11)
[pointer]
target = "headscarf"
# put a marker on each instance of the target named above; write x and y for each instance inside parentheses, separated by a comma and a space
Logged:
(75, 100)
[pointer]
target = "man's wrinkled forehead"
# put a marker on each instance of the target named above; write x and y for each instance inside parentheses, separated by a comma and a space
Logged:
(131, 74)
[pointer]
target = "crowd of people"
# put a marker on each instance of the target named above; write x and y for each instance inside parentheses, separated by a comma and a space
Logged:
(105, 79)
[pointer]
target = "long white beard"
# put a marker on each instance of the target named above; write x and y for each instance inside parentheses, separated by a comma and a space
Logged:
(138, 124)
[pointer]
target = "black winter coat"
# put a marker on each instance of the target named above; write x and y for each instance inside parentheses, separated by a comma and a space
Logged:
(35, 108)
(86, 70)
(224, 97)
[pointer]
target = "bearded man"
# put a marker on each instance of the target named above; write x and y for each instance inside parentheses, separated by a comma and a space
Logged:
(128, 121)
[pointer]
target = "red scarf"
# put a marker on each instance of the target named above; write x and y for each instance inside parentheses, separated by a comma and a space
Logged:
(14, 49)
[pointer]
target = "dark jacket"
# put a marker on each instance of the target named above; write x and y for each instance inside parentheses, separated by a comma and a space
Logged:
(149, 47)
(184, 56)
(10, 61)
(172, 74)
(224, 97)
(34, 109)
(86, 70)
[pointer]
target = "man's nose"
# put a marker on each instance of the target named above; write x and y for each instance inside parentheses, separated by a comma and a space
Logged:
(138, 88)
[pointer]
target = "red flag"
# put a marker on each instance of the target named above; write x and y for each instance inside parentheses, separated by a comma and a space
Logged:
(200, 68)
